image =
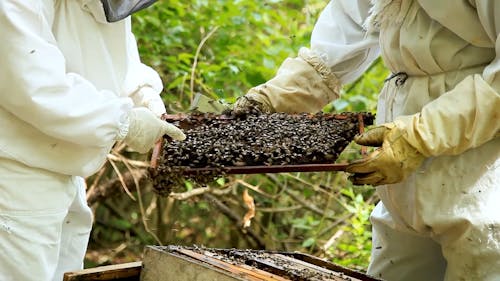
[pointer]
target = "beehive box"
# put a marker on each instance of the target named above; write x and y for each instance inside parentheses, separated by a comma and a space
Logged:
(188, 263)
(278, 142)
(179, 263)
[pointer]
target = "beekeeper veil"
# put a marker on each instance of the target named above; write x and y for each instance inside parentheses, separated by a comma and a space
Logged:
(116, 10)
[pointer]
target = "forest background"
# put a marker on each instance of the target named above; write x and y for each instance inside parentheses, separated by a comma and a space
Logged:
(221, 49)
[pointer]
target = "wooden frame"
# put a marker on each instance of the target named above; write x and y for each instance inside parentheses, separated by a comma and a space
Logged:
(119, 272)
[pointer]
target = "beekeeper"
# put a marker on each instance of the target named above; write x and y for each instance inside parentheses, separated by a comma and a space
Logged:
(437, 171)
(71, 85)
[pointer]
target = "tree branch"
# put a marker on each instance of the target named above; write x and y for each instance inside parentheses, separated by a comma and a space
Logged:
(114, 186)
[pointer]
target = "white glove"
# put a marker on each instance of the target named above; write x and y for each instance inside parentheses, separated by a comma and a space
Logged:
(147, 97)
(145, 129)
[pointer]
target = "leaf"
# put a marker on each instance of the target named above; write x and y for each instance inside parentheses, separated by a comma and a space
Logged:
(221, 181)
(309, 242)
(249, 203)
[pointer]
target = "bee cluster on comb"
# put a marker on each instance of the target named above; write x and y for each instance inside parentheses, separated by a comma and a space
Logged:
(252, 139)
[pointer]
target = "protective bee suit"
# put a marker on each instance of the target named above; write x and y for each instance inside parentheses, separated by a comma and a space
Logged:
(71, 85)
(439, 218)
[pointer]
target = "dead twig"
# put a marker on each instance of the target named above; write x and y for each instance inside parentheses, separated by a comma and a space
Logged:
(199, 191)
(135, 163)
(189, 194)
(255, 188)
(196, 56)
(332, 240)
(112, 187)
(279, 209)
(141, 204)
(315, 187)
(96, 180)
(120, 177)
(308, 205)
(300, 200)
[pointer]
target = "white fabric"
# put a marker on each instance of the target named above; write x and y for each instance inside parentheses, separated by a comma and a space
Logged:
(44, 223)
(149, 98)
(64, 83)
(391, 249)
(65, 80)
(75, 233)
(452, 200)
(339, 36)
(451, 53)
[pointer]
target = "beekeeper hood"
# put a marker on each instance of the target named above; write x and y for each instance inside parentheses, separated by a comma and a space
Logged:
(116, 10)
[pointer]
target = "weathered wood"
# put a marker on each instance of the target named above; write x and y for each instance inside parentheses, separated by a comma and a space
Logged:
(161, 266)
(178, 263)
(119, 272)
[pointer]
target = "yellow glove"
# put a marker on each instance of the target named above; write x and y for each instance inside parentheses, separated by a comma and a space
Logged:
(391, 163)
(302, 84)
(145, 129)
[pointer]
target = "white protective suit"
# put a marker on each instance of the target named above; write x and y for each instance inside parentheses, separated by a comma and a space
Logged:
(443, 221)
(68, 80)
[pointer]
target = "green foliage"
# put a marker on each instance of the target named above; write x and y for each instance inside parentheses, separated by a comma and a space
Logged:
(249, 41)
(362, 94)
(358, 243)
(222, 48)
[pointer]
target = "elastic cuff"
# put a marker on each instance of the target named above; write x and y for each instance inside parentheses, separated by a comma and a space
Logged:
(330, 80)
(137, 95)
(403, 123)
(123, 127)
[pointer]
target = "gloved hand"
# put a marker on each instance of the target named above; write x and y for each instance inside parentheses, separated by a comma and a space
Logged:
(391, 163)
(147, 97)
(302, 84)
(253, 100)
(145, 129)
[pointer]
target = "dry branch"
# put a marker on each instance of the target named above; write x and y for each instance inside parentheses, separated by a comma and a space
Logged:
(114, 186)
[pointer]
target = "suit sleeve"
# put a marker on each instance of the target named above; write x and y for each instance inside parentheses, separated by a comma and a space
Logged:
(468, 115)
(36, 88)
(341, 50)
(141, 80)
